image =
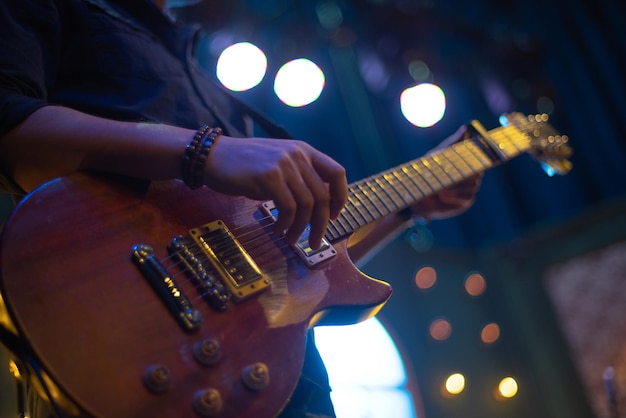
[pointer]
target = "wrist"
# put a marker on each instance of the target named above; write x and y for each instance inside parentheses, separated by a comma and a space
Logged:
(196, 155)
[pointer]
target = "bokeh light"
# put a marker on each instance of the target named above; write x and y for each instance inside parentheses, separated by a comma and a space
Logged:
(425, 278)
(475, 284)
(423, 105)
(490, 333)
(299, 82)
(508, 387)
(455, 383)
(440, 329)
(241, 66)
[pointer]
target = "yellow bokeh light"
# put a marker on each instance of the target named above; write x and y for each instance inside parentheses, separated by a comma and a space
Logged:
(455, 383)
(508, 387)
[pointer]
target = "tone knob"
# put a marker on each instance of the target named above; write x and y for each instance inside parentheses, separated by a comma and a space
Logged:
(207, 352)
(207, 402)
(256, 376)
(157, 378)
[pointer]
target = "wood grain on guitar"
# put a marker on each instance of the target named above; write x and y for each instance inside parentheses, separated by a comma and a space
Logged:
(165, 302)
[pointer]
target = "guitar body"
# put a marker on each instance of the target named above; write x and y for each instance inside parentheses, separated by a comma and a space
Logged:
(95, 325)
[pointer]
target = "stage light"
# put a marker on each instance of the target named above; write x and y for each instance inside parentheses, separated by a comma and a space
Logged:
(455, 384)
(423, 105)
(490, 333)
(440, 329)
(425, 278)
(299, 82)
(475, 284)
(508, 387)
(366, 371)
(241, 66)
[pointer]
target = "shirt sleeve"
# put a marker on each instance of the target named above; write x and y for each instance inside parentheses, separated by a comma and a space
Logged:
(30, 39)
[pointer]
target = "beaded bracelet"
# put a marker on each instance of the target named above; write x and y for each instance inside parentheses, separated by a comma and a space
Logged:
(196, 155)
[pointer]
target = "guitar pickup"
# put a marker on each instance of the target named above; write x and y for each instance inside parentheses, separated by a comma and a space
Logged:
(236, 268)
(310, 256)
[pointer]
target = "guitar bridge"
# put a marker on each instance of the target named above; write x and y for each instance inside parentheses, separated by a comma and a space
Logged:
(309, 255)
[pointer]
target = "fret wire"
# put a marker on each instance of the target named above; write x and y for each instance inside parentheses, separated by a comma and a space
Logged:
(426, 172)
(391, 199)
(356, 206)
(460, 163)
(404, 172)
(481, 157)
(335, 231)
(417, 179)
(409, 186)
(364, 203)
(348, 215)
(449, 169)
(370, 195)
(339, 222)
(383, 200)
(511, 134)
(392, 180)
(444, 177)
(503, 143)
(468, 156)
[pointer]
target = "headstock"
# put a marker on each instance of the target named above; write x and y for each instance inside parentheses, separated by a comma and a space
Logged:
(545, 144)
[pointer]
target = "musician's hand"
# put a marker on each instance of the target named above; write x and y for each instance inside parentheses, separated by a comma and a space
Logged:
(307, 186)
(450, 201)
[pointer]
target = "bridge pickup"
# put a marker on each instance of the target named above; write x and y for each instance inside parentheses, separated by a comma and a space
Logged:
(309, 255)
(154, 272)
(235, 267)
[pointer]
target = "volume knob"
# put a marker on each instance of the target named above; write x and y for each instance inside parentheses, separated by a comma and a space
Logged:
(207, 402)
(256, 376)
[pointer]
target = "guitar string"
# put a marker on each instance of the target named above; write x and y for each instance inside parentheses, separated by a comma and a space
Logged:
(421, 184)
(439, 170)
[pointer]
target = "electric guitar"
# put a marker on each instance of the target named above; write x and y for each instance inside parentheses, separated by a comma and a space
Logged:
(158, 301)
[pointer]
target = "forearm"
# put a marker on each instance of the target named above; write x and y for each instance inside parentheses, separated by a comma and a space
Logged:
(56, 141)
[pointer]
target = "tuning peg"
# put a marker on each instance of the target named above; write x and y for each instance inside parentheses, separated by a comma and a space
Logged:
(560, 167)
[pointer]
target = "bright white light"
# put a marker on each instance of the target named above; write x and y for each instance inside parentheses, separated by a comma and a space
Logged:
(241, 66)
(365, 370)
(423, 105)
(299, 82)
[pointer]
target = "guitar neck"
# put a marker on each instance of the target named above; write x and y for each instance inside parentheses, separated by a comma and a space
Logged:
(400, 187)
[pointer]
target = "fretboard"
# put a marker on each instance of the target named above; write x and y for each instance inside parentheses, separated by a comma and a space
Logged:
(400, 187)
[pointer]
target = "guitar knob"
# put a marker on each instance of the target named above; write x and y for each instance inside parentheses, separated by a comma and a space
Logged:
(157, 378)
(207, 352)
(207, 402)
(256, 376)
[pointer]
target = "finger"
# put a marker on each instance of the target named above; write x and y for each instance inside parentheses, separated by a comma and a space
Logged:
(304, 202)
(320, 215)
(334, 175)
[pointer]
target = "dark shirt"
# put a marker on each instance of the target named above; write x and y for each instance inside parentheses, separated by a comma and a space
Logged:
(123, 60)
(97, 57)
